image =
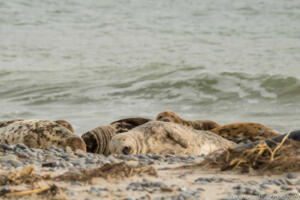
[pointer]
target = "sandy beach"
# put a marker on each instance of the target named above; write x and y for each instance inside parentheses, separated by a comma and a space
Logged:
(55, 173)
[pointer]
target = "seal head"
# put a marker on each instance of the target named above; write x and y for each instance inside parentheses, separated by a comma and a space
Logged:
(75, 142)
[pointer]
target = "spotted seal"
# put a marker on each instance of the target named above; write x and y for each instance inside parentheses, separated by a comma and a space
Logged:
(240, 132)
(169, 116)
(39, 134)
(245, 132)
(97, 140)
(156, 137)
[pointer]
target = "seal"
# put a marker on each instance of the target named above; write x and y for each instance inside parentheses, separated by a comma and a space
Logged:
(97, 140)
(156, 137)
(169, 116)
(240, 132)
(274, 141)
(39, 134)
(245, 132)
(65, 124)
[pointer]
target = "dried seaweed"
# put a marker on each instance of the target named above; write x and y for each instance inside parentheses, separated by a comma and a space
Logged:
(281, 158)
(108, 171)
(24, 175)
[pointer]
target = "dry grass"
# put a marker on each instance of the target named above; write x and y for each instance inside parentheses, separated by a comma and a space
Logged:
(18, 177)
(26, 176)
(29, 178)
(283, 157)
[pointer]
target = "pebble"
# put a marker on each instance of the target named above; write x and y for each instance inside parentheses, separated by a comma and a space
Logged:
(21, 146)
(6, 147)
(291, 175)
(15, 163)
(73, 193)
(156, 157)
(286, 188)
(96, 191)
(214, 179)
(19, 155)
(4, 190)
(50, 164)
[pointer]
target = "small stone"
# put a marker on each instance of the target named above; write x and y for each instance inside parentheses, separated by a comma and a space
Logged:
(80, 161)
(15, 163)
(75, 183)
(255, 192)
(203, 180)
(50, 164)
(263, 187)
(252, 182)
(142, 157)
(4, 190)
(6, 147)
(93, 189)
(22, 154)
(286, 188)
(268, 182)
(96, 191)
(289, 182)
(277, 182)
(291, 175)
(159, 184)
(68, 149)
(21, 146)
(156, 157)
(237, 187)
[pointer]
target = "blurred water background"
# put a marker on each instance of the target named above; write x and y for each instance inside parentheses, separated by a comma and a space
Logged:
(93, 62)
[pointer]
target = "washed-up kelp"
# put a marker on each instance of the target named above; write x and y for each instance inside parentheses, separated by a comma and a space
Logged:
(277, 155)
(107, 171)
(24, 175)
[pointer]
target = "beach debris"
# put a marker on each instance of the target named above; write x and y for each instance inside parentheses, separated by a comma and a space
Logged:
(24, 175)
(46, 192)
(108, 171)
(280, 158)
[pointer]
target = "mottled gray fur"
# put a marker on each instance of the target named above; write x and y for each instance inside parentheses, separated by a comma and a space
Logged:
(97, 140)
(39, 134)
(157, 137)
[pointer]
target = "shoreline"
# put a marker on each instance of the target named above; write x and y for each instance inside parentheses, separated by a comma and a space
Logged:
(130, 177)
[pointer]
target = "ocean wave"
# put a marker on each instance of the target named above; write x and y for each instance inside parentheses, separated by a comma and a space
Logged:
(190, 85)
(224, 86)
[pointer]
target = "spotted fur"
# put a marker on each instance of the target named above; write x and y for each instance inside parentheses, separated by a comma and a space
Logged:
(157, 137)
(39, 134)
(97, 140)
(169, 116)
(65, 124)
(6, 123)
(245, 132)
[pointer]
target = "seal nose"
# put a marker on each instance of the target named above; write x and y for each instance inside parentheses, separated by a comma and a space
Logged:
(166, 120)
(126, 150)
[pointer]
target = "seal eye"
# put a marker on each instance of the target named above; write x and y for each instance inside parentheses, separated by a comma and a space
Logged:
(126, 150)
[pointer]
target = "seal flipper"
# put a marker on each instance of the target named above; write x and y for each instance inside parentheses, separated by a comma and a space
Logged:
(124, 125)
(178, 138)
